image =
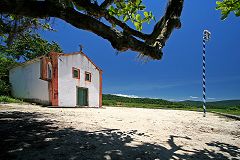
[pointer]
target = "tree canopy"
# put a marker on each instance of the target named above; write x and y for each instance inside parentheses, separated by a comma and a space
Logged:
(5, 65)
(20, 42)
(228, 6)
(28, 46)
(89, 14)
(19, 39)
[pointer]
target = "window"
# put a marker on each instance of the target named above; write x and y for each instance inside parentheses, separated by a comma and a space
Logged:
(88, 76)
(76, 73)
(49, 71)
(41, 68)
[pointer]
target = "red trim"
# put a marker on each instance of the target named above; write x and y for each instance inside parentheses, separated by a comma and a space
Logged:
(73, 68)
(100, 88)
(53, 84)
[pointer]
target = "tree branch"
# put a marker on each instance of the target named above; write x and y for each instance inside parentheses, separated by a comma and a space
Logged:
(119, 41)
(166, 24)
(98, 12)
(106, 4)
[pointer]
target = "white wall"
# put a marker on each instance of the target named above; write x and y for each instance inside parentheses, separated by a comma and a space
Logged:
(27, 85)
(67, 85)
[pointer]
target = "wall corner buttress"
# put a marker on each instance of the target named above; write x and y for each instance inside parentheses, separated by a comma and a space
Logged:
(53, 85)
(100, 88)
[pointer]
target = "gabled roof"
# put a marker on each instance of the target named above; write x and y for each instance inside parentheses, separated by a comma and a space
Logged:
(28, 62)
(81, 53)
(60, 54)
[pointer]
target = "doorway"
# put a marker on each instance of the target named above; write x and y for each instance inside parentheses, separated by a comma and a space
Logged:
(82, 96)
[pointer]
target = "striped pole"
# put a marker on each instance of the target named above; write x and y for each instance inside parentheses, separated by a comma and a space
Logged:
(206, 37)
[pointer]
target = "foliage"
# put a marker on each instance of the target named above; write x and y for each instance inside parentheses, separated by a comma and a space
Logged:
(136, 100)
(10, 99)
(5, 87)
(140, 102)
(13, 26)
(29, 46)
(216, 104)
(227, 110)
(19, 41)
(125, 10)
(100, 16)
(5, 65)
(227, 6)
(130, 10)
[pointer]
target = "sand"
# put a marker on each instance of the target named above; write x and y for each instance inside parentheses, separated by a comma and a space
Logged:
(35, 132)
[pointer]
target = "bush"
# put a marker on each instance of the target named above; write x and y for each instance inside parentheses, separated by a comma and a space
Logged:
(4, 88)
(9, 99)
(5, 65)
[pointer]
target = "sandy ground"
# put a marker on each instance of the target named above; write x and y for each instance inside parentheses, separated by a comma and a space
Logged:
(35, 132)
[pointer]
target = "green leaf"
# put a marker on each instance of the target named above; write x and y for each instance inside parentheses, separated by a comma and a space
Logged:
(133, 16)
(79, 8)
(227, 6)
(145, 14)
(142, 7)
(111, 8)
(138, 2)
(134, 11)
(11, 17)
(237, 13)
(138, 17)
(138, 26)
(126, 18)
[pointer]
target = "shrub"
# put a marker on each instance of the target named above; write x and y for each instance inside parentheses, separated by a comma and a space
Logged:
(9, 99)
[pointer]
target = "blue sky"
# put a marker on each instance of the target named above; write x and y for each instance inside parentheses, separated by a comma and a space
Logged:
(178, 76)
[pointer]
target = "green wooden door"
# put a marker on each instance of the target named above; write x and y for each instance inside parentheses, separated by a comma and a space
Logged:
(82, 96)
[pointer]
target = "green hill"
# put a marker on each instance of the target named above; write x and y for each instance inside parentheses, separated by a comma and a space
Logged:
(113, 100)
(214, 104)
(135, 100)
(227, 106)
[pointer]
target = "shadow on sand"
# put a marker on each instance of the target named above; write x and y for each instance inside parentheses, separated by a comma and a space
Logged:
(30, 136)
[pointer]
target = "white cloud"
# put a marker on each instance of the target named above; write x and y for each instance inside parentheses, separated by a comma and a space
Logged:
(193, 97)
(125, 95)
(211, 98)
(181, 100)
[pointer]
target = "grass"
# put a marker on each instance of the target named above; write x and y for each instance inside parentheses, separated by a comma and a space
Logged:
(147, 105)
(136, 103)
(227, 111)
(8, 99)
(234, 110)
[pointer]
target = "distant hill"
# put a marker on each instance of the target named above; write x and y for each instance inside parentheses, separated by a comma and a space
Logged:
(114, 99)
(216, 103)
(136, 100)
(193, 103)
(227, 106)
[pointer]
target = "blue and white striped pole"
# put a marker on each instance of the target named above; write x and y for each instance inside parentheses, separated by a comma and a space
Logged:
(206, 37)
